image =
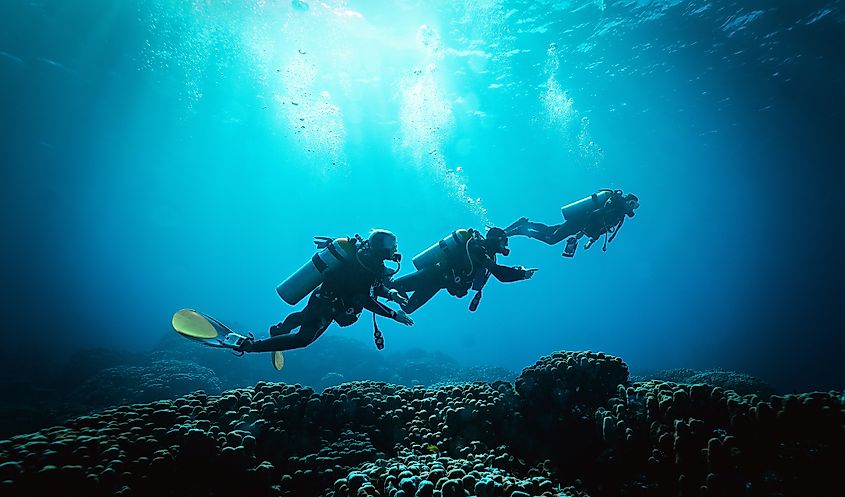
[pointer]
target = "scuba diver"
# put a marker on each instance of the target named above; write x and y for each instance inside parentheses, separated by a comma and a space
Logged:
(347, 276)
(602, 213)
(462, 261)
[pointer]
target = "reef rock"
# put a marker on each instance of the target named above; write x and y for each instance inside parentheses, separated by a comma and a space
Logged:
(570, 425)
(742, 384)
(162, 379)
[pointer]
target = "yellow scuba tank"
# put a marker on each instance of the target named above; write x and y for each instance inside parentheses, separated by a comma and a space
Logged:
(581, 208)
(455, 242)
(312, 273)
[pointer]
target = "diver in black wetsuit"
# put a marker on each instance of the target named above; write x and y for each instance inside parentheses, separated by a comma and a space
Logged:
(602, 213)
(342, 296)
(467, 266)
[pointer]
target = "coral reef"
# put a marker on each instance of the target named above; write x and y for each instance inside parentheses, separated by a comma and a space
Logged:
(412, 475)
(98, 378)
(704, 440)
(742, 384)
(161, 379)
(570, 425)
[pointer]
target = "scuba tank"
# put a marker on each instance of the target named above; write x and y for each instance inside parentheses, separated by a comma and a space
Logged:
(581, 211)
(455, 242)
(335, 253)
(581, 208)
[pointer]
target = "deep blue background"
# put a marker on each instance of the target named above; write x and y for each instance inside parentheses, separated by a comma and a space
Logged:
(152, 160)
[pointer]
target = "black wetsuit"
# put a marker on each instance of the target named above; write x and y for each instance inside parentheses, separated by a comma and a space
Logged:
(456, 275)
(344, 294)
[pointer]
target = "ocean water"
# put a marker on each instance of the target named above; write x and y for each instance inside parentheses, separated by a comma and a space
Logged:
(160, 154)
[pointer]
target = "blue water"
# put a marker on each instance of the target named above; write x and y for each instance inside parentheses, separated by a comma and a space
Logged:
(168, 154)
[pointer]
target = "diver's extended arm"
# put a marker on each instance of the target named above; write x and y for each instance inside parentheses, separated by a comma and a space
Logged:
(377, 307)
(380, 290)
(505, 274)
(385, 290)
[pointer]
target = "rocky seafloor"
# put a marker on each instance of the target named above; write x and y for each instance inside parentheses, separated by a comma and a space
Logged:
(33, 397)
(570, 425)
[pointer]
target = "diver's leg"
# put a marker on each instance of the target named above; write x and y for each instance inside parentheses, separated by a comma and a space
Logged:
(531, 229)
(417, 279)
(308, 332)
(550, 234)
(312, 320)
(563, 231)
(424, 284)
(420, 297)
(294, 320)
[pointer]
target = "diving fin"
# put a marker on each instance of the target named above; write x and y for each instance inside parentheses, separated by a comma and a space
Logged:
(191, 324)
(278, 360)
(515, 226)
(206, 330)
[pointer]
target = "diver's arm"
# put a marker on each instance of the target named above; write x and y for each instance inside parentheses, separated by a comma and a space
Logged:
(377, 307)
(382, 290)
(505, 274)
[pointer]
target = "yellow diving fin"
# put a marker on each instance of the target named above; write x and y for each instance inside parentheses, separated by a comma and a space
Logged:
(206, 330)
(191, 324)
(278, 360)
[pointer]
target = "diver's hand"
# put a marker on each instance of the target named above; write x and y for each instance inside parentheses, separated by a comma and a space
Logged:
(397, 297)
(402, 317)
(529, 273)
